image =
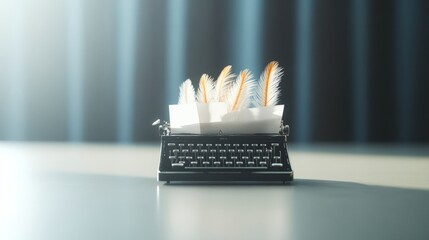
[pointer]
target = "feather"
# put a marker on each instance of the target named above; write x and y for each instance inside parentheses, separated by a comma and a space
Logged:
(238, 97)
(187, 92)
(206, 89)
(268, 91)
(223, 83)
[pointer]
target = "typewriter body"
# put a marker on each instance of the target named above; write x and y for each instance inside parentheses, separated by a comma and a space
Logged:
(253, 157)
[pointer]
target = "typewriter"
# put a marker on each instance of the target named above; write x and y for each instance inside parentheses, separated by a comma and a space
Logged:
(252, 157)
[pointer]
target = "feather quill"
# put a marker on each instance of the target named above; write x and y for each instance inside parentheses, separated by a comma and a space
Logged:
(268, 91)
(206, 90)
(223, 83)
(238, 97)
(187, 92)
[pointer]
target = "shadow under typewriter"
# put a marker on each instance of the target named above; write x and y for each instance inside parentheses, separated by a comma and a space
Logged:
(229, 183)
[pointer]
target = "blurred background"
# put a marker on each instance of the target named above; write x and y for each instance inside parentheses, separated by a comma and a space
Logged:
(103, 70)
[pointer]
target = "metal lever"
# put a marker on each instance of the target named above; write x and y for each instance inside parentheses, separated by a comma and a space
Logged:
(163, 128)
(284, 129)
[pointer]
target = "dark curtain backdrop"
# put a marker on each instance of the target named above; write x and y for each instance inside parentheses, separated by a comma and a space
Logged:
(104, 70)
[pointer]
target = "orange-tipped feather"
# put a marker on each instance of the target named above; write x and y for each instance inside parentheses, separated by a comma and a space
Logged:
(223, 83)
(268, 88)
(206, 89)
(238, 97)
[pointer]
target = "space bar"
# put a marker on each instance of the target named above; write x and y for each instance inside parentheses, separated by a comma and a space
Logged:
(225, 167)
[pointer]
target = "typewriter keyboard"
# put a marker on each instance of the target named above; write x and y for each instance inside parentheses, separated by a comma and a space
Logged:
(224, 154)
(224, 158)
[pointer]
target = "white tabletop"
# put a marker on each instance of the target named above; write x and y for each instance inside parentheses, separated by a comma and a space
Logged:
(101, 191)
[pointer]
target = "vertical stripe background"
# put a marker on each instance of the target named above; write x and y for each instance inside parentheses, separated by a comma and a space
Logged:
(75, 69)
(360, 22)
(303, 60)
(124, 62)
(176, 37)
(127, 27)
(405, 65)
(13, 76)
(246, 39)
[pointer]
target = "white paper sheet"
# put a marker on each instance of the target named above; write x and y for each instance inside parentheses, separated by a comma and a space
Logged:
(212, 118)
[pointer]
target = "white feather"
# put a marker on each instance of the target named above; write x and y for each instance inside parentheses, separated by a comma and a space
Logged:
(223, 83)
(187, 92)
(206, 90)
(240, 92)
(268, 91)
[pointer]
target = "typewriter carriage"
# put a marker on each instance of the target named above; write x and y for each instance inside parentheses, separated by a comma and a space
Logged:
(165, 129)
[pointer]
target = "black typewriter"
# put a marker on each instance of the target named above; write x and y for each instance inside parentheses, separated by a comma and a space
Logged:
(253, 157)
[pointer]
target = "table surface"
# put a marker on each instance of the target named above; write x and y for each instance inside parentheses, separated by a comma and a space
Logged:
(102, 191)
